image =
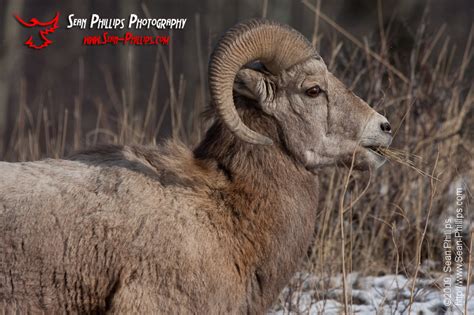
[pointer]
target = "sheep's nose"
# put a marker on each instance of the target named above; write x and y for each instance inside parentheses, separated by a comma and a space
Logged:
(385, 126)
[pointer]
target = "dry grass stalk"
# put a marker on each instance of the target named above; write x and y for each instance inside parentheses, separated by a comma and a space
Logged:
(404, 158)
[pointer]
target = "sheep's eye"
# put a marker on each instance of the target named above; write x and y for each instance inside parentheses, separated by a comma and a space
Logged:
(314, 91)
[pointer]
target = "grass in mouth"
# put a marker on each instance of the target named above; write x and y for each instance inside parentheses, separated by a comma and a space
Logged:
(402, 157)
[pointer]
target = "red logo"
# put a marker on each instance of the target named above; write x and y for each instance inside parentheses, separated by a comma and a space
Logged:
(51, 27)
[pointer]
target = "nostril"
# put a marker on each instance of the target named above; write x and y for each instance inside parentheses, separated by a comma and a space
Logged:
(386, 127)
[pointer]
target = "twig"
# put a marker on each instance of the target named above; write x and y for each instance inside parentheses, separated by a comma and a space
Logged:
(343, 242)
(418, 251)
(264, 8)
(469, 271)
(357, 42)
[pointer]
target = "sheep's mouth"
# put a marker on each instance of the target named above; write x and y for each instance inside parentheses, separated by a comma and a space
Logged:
(376, 155)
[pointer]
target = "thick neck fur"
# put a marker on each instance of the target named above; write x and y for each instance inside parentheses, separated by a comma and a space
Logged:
(273, 199)
(261, 166)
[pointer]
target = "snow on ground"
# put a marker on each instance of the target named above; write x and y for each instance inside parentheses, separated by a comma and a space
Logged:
(390, 294)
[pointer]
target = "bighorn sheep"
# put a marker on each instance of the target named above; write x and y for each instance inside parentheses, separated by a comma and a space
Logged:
(220, 229)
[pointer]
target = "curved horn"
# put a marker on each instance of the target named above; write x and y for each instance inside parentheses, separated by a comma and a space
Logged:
(277, 46)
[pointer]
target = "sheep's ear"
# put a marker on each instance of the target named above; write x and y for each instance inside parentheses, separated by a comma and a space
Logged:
(256, 86)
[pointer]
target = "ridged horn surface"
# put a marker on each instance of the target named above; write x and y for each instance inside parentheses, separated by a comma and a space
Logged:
(277, 46)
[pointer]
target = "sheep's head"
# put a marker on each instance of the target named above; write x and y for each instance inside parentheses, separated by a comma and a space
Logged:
(323, 123)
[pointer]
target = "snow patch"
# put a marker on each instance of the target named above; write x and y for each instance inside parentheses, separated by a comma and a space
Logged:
(389, 294)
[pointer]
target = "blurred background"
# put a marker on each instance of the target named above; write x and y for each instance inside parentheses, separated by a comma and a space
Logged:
(411, 60)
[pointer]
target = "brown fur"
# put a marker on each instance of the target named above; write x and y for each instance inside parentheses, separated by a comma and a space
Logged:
(156, 230)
